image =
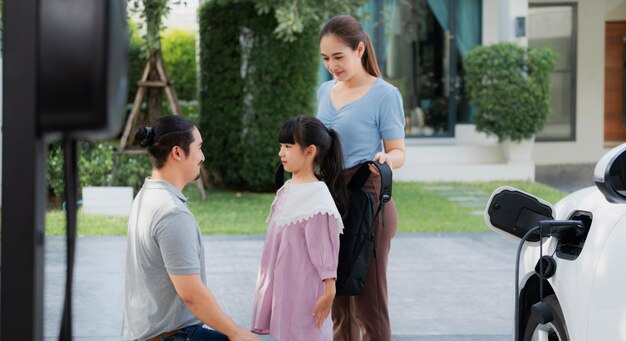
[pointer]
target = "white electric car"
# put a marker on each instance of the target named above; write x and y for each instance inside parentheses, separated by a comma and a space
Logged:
(572, 284)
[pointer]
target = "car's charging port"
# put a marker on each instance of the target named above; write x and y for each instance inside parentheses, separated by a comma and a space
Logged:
(561, 228)
(571, 245)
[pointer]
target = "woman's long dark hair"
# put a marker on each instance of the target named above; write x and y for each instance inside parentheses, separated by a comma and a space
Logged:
(163, 135)
(308, 130)
(351, 32)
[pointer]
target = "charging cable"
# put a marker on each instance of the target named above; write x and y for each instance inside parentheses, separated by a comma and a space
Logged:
(528, 234)
(70, 173)
(547, 228)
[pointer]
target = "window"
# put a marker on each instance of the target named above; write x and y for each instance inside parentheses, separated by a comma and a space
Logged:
(422, 55)
(554, 25)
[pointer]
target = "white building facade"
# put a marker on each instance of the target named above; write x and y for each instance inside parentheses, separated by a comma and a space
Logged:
(588, 115)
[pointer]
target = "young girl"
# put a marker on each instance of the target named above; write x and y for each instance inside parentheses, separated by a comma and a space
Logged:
(296, 280)
(367, 112)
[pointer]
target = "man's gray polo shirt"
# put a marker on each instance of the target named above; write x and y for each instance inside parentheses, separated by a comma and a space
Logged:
(163, 238)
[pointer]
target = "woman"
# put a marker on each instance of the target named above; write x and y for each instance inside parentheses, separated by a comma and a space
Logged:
(367, 113)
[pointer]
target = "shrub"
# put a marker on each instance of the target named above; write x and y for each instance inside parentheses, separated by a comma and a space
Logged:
(179, 55)
(98, 165)
(251, 83)
(511, 87)
(188, 109)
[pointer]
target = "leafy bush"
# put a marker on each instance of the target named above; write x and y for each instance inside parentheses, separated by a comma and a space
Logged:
(179, 55)
(188, 109)
(511, 87)
(98, 165)
(251, 83)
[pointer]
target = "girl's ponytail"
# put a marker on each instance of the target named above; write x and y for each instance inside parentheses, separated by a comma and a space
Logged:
(331, 169)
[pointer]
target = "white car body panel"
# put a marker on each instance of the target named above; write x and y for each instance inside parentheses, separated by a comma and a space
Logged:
(592, 288)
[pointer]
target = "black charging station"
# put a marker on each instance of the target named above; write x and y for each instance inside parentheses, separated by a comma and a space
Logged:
(65, 66)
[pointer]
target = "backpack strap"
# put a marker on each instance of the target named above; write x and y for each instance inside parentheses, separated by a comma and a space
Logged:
(386, 178)
(363, 173)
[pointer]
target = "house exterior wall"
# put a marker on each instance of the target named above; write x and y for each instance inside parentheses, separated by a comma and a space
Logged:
(615, 10)
(592, 15)
(589, 143)
(490, 22)
(588, 146)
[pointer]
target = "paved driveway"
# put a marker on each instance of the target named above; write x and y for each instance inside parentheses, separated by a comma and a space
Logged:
(443, 287)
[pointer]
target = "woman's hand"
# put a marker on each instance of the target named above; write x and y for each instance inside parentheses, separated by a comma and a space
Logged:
(393, 155)
(382, 158)
(324, 303)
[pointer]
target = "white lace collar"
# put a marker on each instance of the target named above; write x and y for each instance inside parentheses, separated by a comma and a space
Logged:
(302, 201)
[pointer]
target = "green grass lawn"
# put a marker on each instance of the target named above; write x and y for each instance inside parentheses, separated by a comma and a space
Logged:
(420, 208)
(424, 210)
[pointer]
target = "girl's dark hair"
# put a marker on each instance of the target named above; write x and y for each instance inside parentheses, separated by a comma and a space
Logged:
(308, 130)
(163, 135)
(351, 32)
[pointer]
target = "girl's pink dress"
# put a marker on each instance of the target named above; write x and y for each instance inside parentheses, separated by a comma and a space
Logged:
(301, 250)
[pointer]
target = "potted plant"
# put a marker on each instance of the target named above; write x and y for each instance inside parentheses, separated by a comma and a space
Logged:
(510, 86)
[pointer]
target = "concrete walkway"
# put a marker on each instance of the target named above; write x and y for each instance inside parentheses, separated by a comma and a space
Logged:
(443, 287)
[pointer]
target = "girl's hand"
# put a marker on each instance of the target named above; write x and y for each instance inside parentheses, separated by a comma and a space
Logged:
(322, 308)
(382, 158)
(324, 303)
(244, 335)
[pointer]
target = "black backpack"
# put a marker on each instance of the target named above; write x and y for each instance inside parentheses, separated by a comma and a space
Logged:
(357, 244)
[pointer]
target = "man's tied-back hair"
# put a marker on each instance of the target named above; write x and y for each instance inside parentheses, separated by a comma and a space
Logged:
(164, 134)
(144, 136)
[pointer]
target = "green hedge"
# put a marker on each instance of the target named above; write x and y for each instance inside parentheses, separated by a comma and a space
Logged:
(188, 109)
(179, 54)
(251, 83)
(98, 165)
(137, 60)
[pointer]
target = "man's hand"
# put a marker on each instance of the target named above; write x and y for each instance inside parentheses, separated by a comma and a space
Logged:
(324, 303)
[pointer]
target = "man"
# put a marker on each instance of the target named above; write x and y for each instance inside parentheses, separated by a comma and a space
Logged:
(166, 293)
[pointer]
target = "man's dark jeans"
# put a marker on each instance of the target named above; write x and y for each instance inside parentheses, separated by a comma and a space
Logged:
(196, 333)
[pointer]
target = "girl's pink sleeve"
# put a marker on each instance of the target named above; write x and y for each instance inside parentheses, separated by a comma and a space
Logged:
(322, 240)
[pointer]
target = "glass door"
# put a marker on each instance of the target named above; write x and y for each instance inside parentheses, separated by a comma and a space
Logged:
(420, 54)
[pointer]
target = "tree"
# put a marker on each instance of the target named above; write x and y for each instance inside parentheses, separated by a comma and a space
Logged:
(292, 16)
(152, 13)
